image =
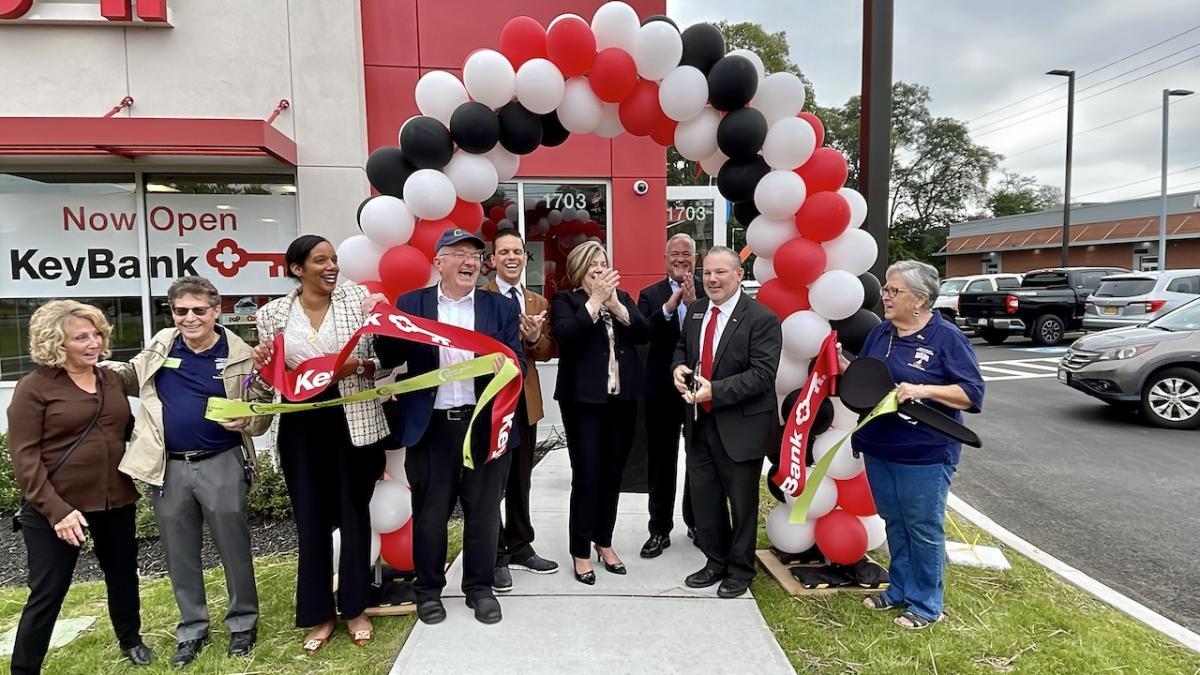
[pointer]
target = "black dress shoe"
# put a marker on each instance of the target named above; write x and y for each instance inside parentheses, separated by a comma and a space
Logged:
(431, 611)
(487, 609)
(704, 578)
(241, 642)
(139, 654)
(732, 588)
(655, 545)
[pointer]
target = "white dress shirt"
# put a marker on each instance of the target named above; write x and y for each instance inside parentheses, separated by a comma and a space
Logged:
(459, 313)
(505, 287)
(302, 342)
(681, 310)
(725, 310)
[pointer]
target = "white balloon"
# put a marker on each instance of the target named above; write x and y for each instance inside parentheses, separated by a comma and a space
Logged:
(580, 110)
(844, 465)
(825, 500)
(752, 58)
(395, 465)
(789, 144)
(696, 138)
(512, 213)
(474, 176)
(438, 93)
(803, 333)
(843, 417)
(779, 195)
(554, 217)
(779, 95)
(764, 269)
(504, 224)
(853, 251)
(765, 235)
(539, 86)
(876, 531)
(505, 162)
(610, 121)
(391, 506)
(560, 17)
(430, 194)
(386, 221)
(836, 295)
(376, 546)
(787, 537)
(713, 163)
(683, 92)
(791, 374)
(489, 78)
(615, 24)
(359, 257)
(858, 204)
(657, 49)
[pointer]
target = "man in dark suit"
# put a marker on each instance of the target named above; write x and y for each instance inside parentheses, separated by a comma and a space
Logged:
(664, 305)
(730, 350)
(432, 425)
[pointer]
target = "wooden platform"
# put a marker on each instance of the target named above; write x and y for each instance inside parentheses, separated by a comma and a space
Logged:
(782, 575)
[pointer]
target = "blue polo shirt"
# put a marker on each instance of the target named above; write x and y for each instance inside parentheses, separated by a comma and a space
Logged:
(937, 354)
(184, 383)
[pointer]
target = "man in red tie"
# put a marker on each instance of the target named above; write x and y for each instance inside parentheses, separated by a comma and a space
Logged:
(730, 346)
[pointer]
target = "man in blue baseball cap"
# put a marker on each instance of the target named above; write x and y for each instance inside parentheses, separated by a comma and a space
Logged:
(432, 425)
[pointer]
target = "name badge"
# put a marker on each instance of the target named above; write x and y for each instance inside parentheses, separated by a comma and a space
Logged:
(698, 315)
(220, 364)
(172, 362)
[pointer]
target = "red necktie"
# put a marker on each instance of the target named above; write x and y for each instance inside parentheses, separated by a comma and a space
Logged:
(706, 352)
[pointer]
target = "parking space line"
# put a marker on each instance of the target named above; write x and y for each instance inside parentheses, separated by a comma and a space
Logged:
(1005, 371)
(1002, 378)
(1042, 366)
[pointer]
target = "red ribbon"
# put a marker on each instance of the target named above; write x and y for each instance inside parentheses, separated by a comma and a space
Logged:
(792, 450)
(316, 374)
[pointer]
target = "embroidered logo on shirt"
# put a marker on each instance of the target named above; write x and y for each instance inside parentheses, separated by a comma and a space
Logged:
(921, 358)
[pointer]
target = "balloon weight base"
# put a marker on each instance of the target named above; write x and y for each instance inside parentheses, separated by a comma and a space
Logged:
(865, 576)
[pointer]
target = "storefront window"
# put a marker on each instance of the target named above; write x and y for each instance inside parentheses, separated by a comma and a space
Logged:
(693, 217)
(558, 217)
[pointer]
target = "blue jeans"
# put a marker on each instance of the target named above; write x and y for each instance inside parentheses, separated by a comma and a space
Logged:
(911, 499)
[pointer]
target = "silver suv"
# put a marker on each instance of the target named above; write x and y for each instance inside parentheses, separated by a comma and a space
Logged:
(1138, 297)
(1155, 367)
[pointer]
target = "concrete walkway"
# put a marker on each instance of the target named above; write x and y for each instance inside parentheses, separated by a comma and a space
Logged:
(646, 621)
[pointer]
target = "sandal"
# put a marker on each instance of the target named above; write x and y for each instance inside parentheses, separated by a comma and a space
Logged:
(362, 637)
(911, 621)
(877, 603)
(313, 645)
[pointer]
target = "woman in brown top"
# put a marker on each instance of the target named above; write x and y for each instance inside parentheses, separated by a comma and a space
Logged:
(51, 411)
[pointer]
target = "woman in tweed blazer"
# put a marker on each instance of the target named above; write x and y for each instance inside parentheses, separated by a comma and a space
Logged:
(331, 457)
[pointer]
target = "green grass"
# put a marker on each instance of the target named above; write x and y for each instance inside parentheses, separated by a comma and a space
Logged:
(277, 652)
(1025, 620)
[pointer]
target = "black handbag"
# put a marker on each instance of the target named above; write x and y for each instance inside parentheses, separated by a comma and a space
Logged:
(16, 518)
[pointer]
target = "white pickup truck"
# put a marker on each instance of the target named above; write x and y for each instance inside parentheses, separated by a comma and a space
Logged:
(952, 287)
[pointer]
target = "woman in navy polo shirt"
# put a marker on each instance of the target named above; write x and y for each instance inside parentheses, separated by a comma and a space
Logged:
(909, 465)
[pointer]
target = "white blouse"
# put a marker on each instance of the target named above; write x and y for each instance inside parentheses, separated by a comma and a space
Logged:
(301, 342)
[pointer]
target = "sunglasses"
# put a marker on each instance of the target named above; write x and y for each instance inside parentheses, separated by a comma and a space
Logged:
(183, 311)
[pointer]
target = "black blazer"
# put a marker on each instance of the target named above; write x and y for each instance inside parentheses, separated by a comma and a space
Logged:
(664, 336)
(583, 349)
(743, 382)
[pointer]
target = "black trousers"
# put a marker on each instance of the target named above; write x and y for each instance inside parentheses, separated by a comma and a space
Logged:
(516, 533)
(51, 566)
(725, 500)
(438, 479)
(599, 438)
(664, 424)
(330, 483)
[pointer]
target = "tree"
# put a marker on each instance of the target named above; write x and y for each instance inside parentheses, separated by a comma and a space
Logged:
(1021, 194)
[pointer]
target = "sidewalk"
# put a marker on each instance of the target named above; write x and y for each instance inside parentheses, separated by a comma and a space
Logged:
(647, 621)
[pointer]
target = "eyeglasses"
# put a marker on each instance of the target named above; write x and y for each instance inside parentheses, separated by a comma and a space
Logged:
(459, 256)
(891, 292)
(183, 311)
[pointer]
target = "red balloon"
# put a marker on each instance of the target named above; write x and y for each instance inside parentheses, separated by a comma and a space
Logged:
(403, 269)
(614, 75)
(522, 39)
(826, 170)
(841, 537)
(426, 234)
(496, 212)
(396, 548)
(640, 113)
(664, 132)
(489, 230)
(783, 299)
(816, 124)
(799, 262)
(467, 215)
(373, 286)
(823, 216)
(571, 46)
(854, 495)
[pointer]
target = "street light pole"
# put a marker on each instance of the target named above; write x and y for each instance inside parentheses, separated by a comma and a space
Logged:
(1162, 215)
(1066, 233)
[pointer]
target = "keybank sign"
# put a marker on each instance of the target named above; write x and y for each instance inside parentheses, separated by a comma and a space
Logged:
(143, 13)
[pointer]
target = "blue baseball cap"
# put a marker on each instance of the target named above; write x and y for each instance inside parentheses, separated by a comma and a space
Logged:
(455, 235)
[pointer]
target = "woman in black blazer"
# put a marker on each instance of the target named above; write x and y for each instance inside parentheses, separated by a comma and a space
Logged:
(599, 381)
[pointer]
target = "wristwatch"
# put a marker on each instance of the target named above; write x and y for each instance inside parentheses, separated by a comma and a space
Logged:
(361, 369)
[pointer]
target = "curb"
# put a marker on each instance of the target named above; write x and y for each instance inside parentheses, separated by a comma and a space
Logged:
(1128, 605)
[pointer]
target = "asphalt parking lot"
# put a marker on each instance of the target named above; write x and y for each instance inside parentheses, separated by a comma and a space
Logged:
(1092, 485)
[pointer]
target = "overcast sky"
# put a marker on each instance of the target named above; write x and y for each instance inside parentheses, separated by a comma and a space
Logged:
(976, 57)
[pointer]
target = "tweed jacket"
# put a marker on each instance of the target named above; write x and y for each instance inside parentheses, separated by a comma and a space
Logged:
(542, 350)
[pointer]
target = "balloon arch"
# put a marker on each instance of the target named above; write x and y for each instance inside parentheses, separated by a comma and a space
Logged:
(617, 75)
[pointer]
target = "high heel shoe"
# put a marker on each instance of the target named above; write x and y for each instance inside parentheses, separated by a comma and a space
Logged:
(588, 577)
(618, 568)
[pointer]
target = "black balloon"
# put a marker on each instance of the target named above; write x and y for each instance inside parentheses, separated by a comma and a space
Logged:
(426, 143)
(358, 216)
(703, 46)
(773, 461)
(553, 132)
(474, 127)
(388, 170)
(732, 82)
(745, 212)
(820, 422)
(520, 130)
(741, 133)
(870, 290)
(738, 177)
(852, 331)
(660, 17)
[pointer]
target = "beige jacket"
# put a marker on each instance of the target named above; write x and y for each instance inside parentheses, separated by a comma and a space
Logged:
(543, 350)
(146, 457)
